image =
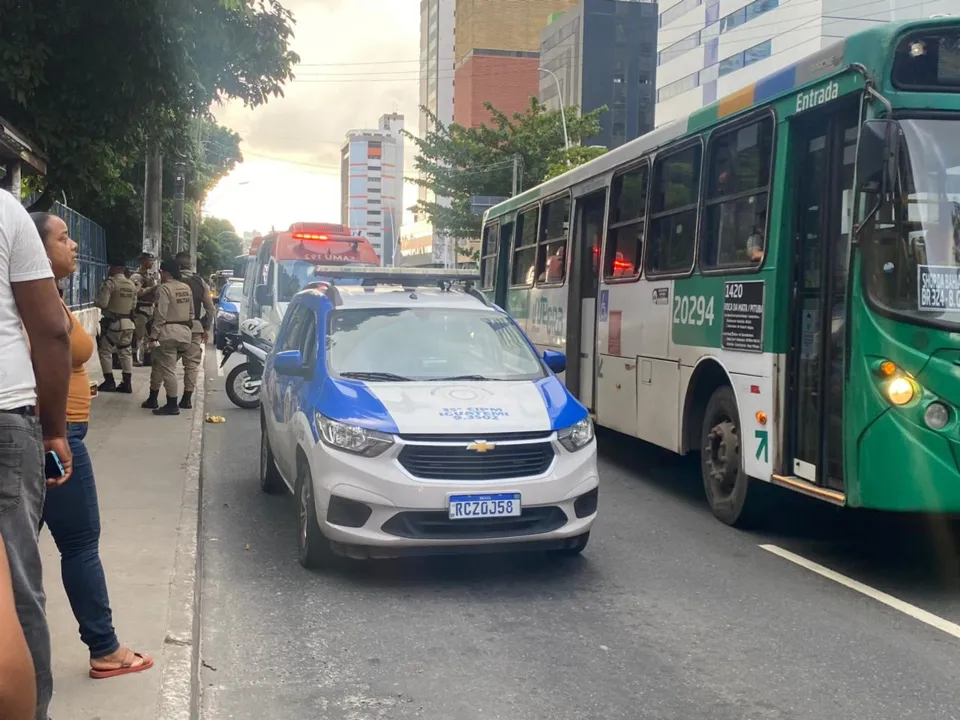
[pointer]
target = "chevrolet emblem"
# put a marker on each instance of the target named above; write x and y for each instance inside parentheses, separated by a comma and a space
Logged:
(481, 446)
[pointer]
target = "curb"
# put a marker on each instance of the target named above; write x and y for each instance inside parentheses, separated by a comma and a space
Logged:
(179, 697)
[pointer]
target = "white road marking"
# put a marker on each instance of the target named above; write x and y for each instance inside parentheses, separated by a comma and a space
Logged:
(219, 360)
(906, 608)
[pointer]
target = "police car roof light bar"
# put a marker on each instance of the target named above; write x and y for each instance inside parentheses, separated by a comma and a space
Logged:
(410, 277)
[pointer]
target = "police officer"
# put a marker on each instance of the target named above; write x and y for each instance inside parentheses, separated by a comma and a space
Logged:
(201, 326)
(169, 336)
(116, 299)
(146, 284)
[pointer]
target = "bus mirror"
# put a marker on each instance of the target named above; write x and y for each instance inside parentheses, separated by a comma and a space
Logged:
(262, 295)
(877, 156)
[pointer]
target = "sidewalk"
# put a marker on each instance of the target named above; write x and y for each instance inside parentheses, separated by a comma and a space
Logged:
(142, 465)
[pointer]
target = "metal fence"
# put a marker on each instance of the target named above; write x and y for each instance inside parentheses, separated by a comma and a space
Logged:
(80, 289)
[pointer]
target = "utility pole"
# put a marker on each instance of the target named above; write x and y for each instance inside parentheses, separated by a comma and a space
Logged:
(195, 225)
(516, 175)
(180, 186)
(153, 203)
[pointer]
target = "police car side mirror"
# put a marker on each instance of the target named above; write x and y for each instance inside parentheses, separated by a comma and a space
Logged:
(554, 360)
(290, 362)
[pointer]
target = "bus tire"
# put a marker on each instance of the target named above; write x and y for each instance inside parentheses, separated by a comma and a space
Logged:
(725, 482)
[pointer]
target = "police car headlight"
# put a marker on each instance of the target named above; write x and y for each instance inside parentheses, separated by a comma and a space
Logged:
(351, 438)
(577, 436)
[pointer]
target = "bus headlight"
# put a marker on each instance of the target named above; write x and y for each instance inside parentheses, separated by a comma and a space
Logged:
(900, 391)
(936, 416)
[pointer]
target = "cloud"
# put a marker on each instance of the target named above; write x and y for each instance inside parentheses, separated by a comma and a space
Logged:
(339, 86)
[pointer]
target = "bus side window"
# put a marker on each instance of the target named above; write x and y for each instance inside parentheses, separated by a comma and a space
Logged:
(628, 210)
(673, 211)
(525, 248)
(738, 179)
(488, 256)
(552, 258)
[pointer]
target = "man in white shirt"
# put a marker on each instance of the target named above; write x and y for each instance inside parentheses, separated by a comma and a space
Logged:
(34, 381)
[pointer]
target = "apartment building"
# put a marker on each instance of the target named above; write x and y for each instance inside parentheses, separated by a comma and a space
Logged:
(371, 180)
(710, 48)
(603, 53)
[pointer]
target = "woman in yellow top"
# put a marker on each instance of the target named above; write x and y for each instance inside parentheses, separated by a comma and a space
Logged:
(71, 510)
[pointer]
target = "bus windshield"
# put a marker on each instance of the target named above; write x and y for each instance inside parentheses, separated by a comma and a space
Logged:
(912, 259)
(294, 275)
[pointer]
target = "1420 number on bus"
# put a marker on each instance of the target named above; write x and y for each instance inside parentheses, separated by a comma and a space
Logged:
(692, 310)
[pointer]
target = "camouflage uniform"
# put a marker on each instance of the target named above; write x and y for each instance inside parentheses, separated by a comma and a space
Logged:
(116, 298)
(171, 330)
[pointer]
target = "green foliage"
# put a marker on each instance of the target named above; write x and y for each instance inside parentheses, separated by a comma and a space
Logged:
(92, 81)
(458, 163)
(217, 246)
(578, 155)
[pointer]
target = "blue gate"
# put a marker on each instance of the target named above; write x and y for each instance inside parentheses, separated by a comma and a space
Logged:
(80, 289)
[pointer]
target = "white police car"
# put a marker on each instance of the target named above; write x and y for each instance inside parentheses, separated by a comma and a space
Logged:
(410, 416)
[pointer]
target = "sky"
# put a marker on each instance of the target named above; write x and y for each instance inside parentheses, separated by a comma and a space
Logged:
(359, 59)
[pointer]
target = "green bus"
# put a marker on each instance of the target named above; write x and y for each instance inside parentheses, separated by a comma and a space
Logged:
(773, 281)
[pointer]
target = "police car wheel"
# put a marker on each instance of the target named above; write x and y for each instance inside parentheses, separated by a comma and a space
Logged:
(270, 480)
(313, 549)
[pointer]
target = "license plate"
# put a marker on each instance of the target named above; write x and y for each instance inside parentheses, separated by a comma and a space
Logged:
(463, 507)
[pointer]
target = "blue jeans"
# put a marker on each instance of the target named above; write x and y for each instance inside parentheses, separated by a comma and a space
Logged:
(72, 513)
(22, 487)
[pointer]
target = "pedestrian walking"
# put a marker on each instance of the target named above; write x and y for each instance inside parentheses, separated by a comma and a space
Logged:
(18, 692)
(116, 299)
(147, 286)
(201, 327)
(170, 337)
(33, 399)
(72, 511)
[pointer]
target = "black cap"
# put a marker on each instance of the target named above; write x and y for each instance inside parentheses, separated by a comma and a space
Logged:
(170, 266)
(116, 262)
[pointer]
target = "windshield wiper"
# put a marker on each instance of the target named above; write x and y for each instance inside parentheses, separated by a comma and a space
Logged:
(478, 378)
(374, 376)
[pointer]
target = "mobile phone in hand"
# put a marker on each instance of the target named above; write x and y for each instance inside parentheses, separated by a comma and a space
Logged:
(53, 467)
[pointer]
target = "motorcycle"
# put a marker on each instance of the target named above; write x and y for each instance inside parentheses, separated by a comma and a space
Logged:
(244, 381)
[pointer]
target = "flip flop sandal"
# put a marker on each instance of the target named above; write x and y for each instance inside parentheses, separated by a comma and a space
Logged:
(125, 669)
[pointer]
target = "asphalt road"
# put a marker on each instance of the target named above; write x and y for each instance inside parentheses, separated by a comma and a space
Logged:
(668, 614)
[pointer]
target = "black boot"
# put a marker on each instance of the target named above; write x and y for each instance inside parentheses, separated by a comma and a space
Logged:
(185, 401)
(108, 384)
(170, 408)
(151, 402)
(125, 386)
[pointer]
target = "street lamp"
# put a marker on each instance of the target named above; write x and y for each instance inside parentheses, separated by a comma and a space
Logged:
(563, 116)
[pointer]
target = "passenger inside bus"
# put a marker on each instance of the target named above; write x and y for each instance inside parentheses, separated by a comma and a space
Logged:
(555, 266)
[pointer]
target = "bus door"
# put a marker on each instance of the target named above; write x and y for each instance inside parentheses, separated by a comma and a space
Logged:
(824, 156)
(582, 295)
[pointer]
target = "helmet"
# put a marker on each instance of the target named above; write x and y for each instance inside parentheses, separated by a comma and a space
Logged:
(252, 327)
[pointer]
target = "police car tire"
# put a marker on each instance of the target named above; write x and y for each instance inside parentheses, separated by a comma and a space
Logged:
(270, 480)
(313, 549)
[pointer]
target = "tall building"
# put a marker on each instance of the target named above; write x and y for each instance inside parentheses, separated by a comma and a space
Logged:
(371, 184)
(603, 53)
(708, 49)
(498, 55)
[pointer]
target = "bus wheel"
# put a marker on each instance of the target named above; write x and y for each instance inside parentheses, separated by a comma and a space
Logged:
(725, 482)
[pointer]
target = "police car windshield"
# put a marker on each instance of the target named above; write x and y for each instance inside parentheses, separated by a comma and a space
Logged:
(234, 292)
(428, 344)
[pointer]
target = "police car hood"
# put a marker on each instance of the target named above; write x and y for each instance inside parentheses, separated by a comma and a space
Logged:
(472, 408)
